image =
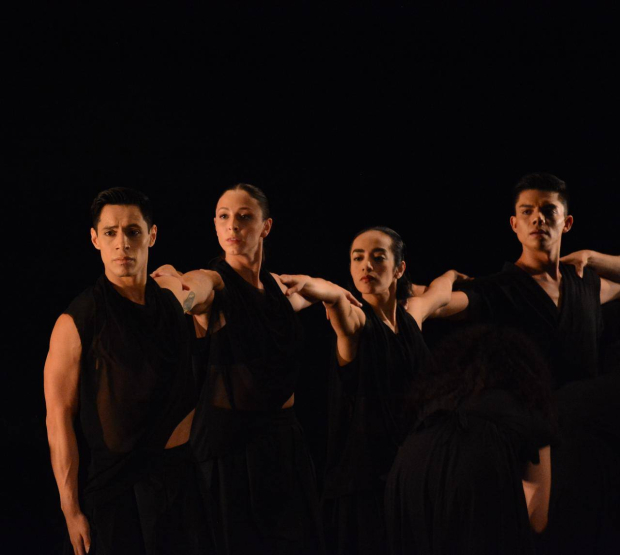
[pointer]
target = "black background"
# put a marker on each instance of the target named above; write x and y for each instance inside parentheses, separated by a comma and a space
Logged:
(416, 116)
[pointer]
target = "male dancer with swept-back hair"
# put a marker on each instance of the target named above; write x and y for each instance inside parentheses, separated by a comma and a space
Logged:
(119, 358)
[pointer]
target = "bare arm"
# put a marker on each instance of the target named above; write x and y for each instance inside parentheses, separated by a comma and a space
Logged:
(61, 377)
(537, 489)
(437, 295)
(605, 265)
(343, 310)
(610, 291)
(194, 290)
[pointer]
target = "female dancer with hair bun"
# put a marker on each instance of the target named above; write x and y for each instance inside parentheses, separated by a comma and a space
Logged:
(380, 352)
(258, 476)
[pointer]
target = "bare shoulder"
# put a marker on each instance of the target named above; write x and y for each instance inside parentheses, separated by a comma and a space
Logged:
(62, 366)
(65, 333)
(65, 345)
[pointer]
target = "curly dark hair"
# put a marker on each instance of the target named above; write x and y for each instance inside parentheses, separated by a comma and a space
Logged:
(478, 358)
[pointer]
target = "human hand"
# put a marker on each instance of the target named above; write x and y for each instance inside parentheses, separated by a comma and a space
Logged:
(579, 259)
(167, 270)
(454, 275)
(316, 289)
(79, 532)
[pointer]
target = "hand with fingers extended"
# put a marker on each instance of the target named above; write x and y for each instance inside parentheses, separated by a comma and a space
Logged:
(79, 531)
(167, 270)
(458, 276)
(579, 259)
(316, 289)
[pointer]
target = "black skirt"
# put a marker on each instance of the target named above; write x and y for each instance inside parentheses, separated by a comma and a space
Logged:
(161, 514)
(261, 494)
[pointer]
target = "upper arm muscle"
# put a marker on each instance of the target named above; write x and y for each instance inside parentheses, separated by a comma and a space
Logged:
(62, 366)
(610, 290)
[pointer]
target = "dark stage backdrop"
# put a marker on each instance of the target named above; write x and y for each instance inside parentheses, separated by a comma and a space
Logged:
(416, 117)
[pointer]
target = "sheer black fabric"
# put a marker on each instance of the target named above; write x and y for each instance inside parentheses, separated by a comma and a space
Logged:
(368, 419)
(257, 475)
(455, 487)
(568, 336)
(136, 386)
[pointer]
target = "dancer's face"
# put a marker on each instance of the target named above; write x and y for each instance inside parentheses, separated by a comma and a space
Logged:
(239, 223)
(123, 238)
(372, 264)
(540, 219)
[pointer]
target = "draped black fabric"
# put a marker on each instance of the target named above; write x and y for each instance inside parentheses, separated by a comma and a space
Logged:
(584, 513)
(568, 336)
(257, 475)
(368, 418)
(136, 386)
(368, 413)
(455, 487)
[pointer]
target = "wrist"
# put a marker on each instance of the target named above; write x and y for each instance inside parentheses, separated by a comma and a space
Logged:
(70, 507)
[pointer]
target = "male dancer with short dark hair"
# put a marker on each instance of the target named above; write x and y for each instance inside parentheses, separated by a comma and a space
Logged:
(554, 302)
(557, 302)
(120, 358)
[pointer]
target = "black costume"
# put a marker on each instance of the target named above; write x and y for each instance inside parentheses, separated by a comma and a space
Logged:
(258, 477)
(568, 336)
(455, 487)
(368, 420)
(584, 514)
(136, 386)
(584, 511)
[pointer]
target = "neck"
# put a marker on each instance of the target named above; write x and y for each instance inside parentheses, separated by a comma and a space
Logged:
(247, 266)
(384, 306)
(130, 287)
(537, 262)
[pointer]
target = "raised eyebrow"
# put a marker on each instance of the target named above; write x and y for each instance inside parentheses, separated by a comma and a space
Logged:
(362, 251)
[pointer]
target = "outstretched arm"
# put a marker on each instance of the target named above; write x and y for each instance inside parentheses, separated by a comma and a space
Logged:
(304, 291)
(343, 310)
(437, 296)
(537, 489)
(194, 290)
(61, 377)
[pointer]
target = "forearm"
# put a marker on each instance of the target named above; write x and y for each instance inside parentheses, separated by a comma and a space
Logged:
(439, 291)
(605, 265)
(202, 283)
(342, 315)
(65, 459)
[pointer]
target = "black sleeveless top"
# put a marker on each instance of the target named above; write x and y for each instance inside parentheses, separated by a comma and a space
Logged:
(369, 414)
(136, 383)
(568, 336)
(254, 341)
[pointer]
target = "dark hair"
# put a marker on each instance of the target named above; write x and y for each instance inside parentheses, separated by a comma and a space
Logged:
(256, 193)
(483, 357)
(125, 197)
(399, 250)
(541, 182)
